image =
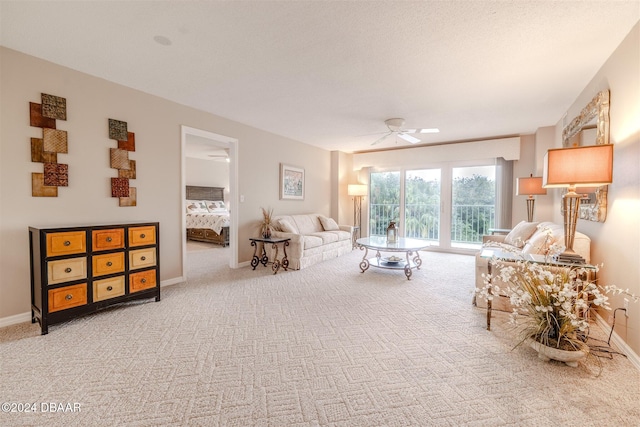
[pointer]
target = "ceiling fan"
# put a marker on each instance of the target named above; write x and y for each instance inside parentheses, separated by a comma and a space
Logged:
(396, 128)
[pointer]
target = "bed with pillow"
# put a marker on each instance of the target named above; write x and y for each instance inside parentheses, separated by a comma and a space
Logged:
(207, 218)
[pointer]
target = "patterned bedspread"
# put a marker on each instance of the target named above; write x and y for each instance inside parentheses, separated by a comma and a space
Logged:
(214, 222)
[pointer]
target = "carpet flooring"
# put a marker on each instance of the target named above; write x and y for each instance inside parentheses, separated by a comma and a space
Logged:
(324, 346)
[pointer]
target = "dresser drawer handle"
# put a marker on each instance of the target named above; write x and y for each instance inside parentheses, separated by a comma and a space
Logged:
(109, 288)
(142, 236)
(67, 243)
(109, 264)
(109, 239)
(69, 297)
(143, 258)
(67, 270)
(143, 281)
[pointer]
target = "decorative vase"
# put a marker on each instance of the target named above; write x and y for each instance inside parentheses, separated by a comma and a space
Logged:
(392, 233)
(546, 353)
(266, 232)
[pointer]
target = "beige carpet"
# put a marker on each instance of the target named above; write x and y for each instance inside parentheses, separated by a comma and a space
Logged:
(325, 346)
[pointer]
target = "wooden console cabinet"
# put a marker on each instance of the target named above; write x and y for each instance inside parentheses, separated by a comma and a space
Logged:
(79, 270)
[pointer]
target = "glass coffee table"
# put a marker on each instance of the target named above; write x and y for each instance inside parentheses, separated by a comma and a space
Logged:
(404, 253)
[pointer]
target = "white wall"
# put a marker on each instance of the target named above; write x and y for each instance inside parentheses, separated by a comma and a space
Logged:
(616, 242)
(91, 101)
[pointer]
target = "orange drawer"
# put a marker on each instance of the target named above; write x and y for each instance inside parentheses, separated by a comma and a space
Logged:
(102, 240)
(67, 297)
(108, 288)
(142, 280)
(141, 258)
(107, 263)
(66, 243)
(66, 270)
(141, 236)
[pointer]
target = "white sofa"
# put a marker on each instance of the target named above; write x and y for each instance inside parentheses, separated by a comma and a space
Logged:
(314, 238)
(526, 238)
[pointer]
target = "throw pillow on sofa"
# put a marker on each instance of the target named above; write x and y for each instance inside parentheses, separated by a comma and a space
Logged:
(285, 226)
(329, 224)
(521, 233)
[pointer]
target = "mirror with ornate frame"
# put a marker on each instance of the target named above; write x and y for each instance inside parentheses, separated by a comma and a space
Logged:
(588, 128)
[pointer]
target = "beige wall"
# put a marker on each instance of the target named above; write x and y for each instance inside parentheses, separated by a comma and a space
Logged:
(208, 173)
(616, 242)
(157, 125)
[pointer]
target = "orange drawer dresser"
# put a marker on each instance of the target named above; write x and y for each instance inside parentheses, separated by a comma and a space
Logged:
(79, 270)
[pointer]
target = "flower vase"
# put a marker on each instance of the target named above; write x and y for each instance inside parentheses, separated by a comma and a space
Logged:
(546, 353)
(266, 232)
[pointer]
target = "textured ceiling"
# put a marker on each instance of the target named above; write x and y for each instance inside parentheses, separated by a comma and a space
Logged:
(329, 73)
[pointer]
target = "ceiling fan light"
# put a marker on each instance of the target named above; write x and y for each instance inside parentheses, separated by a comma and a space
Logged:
(430, 130)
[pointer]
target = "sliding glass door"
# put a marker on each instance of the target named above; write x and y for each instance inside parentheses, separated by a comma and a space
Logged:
(473, 204)
(422, 204)
(452, 206)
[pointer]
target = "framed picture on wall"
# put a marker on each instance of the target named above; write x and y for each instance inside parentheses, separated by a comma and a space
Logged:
(291, 182)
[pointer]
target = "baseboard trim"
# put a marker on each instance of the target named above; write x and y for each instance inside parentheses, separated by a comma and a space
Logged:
(26, 317)
(624, 347)
(15, 319)
(173, 281)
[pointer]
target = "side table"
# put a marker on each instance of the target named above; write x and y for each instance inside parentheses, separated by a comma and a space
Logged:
(260, 255)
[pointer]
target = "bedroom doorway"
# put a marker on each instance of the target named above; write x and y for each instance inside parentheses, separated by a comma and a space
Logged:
(219, 148)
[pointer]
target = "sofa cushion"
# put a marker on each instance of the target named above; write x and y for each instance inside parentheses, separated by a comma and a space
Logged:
(326, 237)
(521, 233)
(328, 224)
(311, 241)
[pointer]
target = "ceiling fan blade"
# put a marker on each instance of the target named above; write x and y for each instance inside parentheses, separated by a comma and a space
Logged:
(408, 138)
(382, 139)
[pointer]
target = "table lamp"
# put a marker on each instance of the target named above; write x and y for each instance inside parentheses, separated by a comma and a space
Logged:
(530, 186)
(587, 166)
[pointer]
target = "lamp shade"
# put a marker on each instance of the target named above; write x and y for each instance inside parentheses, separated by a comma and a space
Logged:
(531, 185)
(587, 166)
(357, 190)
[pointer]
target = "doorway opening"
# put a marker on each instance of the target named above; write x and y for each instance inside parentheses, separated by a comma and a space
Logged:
(216, 146)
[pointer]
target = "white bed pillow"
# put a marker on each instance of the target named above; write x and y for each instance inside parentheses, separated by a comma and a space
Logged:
(329, 224)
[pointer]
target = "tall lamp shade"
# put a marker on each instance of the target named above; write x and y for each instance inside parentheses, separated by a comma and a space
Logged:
(586, 166)
(357, 191)
(530, 186)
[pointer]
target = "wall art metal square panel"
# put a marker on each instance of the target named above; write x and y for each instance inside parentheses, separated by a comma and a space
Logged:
(54, 107)
(119, 187)
(55, 141)
(36, 119)
(118, 130)
(56, 174)
(45, 150)
(128, 173)
(132, 200)
(38, 154)
(119, 158)
(38, 189)
(129, 144)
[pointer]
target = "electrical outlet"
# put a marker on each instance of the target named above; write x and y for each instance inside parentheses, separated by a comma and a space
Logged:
(626, 307)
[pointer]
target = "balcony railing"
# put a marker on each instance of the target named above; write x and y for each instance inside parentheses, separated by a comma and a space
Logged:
(469, 223)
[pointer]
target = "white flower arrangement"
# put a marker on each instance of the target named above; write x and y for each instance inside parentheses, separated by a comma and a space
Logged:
(550, 303)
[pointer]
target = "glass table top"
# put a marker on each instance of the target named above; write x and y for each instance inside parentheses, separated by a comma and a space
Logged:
(403, 243)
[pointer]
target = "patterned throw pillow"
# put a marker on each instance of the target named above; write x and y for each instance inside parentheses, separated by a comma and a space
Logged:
(196, 207)
(217, 207)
